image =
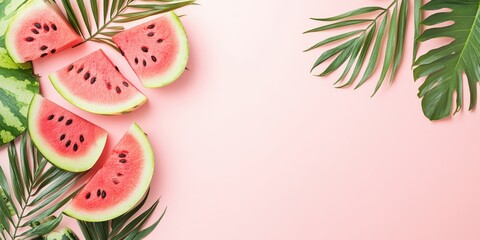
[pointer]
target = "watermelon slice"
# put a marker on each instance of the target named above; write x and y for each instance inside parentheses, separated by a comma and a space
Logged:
(119, 184)
(157, 50)
(38, 30)
(95, 85)
(65, 139)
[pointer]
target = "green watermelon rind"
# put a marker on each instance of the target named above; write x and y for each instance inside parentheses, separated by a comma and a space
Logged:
(69, 164)
(114, 109)
(134, 197)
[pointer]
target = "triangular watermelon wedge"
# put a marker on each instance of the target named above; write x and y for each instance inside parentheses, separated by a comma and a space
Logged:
(65, 139)
(120, 184)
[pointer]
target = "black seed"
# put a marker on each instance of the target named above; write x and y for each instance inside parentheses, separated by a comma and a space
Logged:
(69, 121)
(104, 194)
(145, 49)
(53, 51)
(51, 117)
(118, 89)
(61, 118)
(86, 76)
(88, 195)
(122, 155)
(82, 138)
(43, 48)
(75, 147)
(29, 39)
(62, 137)
(37, 25)
(67, 144)
(125, 84)
(136, 60)
(121, 52)
(34, 31)
(70, 68)
(46, 27)
(123, 160)
(80, 70)
(44, 55)
(119, 175)
(54, 27)
(99, 193)
(92, 81)
(115, 181)
(150, 34)
(144, 63)
(117, 69)
(154, 59)
(160, 40)
(151, 26)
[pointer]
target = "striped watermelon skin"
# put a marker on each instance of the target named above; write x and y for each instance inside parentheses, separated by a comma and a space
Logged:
(18, 84)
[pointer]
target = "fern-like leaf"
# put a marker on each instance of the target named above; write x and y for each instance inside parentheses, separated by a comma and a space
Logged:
(444, 67)
(389, 23)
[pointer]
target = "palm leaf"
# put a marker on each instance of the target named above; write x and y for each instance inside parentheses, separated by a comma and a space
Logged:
(444, 66)
(123, 227)
(35, 188)
(114, 12)
(354, 46)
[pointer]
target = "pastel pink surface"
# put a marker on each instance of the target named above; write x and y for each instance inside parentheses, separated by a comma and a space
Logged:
(249, 145)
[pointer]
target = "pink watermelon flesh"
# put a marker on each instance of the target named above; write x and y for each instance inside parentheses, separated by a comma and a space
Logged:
(38, 31)
(95, 84)
(65, 139)
(156, 50)
(119, 184)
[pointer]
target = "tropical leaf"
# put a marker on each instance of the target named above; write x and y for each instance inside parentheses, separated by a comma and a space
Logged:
(444, 66)
(105, 23)
(32, 194)
(125, 227)
(354, 46)
(18, 83)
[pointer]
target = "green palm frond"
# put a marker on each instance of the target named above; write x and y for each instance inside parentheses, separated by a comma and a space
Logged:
(357, 44)
(444, 67)
(124, 227)
(108, 15)
(32, 194)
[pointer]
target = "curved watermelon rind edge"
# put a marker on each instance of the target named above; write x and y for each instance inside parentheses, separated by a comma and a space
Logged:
(70, 165)
(135, 196)
(118, 109)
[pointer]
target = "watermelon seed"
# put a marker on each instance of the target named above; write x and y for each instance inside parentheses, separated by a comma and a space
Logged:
(75, 147)
(54, 27)
(118, 89)
(104, 194)
(122, 155)
(144, 63)
(86, 76)
(34, 31)
(99, 193)
(116, 68)
(69, 121)
(29, 39)
(51, 117)
(115, 181)
(62, 137)
(46, 27)
(53, 51)
(67, 144)
(37, 25)
(43, 48)
(150, 34)
(121, 52)
(136, 60)
(61, 118)
(109, 86)
(92, 81)
(80, 70)
(119, 175)
(123, 160)
(159, 40)
(145, 49)
(82, 138)
(88, 195)
(154, 59)
(70, 68)
(151, 26)
(44, 55)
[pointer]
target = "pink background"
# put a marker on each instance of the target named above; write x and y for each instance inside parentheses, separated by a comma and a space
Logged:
(249, 145)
